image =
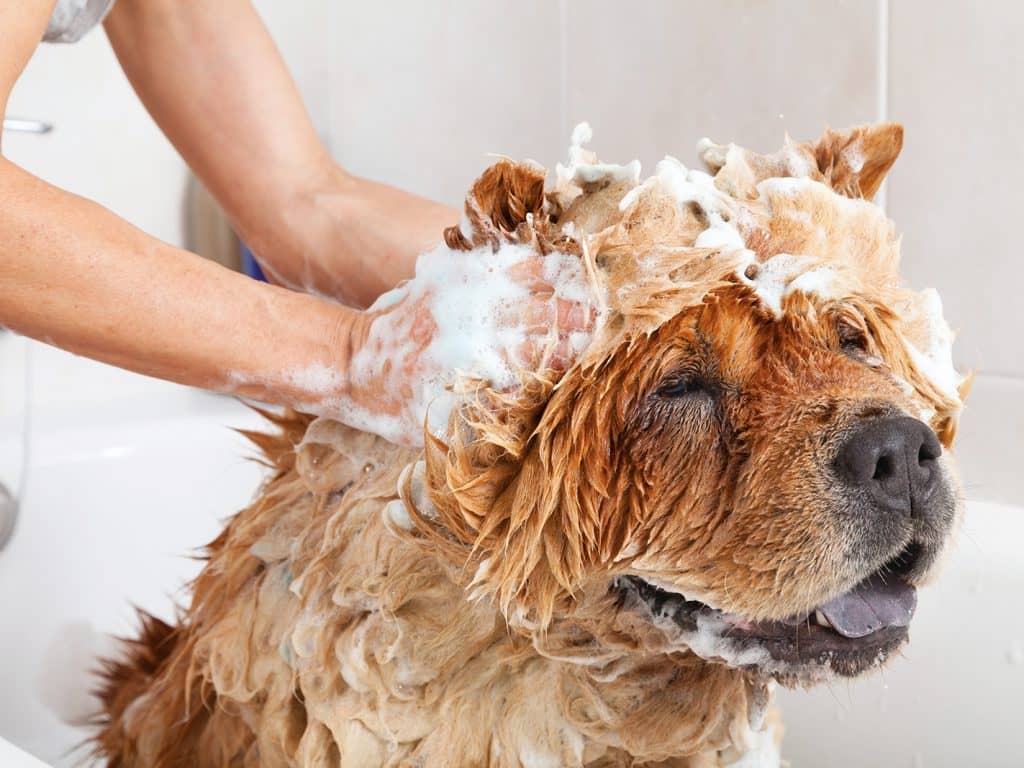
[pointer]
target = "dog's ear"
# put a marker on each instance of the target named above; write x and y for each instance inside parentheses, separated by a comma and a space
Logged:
(517, 499)
(506, 196)
(855, 162)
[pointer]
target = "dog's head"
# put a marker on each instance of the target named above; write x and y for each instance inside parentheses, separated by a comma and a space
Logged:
(750, 460)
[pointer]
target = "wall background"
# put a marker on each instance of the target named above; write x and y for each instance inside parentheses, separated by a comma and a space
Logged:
(417, 95)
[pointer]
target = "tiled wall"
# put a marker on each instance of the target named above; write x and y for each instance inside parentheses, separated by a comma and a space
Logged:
(417, 94)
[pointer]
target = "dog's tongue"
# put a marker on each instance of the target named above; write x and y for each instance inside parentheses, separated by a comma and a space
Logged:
(871, 605)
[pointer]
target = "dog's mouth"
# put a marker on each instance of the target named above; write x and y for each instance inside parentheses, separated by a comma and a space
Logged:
(847, 635)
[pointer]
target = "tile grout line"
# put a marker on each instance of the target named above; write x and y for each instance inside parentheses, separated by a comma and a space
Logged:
(330, 83)
(882, 85)
(563, 69)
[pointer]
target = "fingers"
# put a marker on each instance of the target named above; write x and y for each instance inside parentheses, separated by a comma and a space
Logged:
(538, 316)
(529, 273)
(576, 317)
(550, 353)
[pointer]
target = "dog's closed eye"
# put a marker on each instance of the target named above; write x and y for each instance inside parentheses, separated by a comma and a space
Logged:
(852, 339)
(685, 385)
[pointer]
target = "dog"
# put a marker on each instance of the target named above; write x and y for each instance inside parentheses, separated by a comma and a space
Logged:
(739, 482)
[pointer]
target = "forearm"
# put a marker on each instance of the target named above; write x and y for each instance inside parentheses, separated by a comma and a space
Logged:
(75, 275)
(212, 78)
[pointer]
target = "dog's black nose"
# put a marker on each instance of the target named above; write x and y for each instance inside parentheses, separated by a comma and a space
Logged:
(894, 459)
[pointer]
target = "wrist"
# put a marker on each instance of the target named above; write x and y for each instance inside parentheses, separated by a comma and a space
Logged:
(304, 350)
(350, 331)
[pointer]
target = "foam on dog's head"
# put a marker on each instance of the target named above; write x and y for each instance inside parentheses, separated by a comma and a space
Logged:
(794, 225)
(520, 492)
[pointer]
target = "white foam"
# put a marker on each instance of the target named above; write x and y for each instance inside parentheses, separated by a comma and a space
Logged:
(317, 378)
(581, 134)
(774, 279)
(935, 361)
(692, 186)
(396, 513)
(820, 281)
(719, 235)
(711, 641)
(567, 275)
(475, 307)
(388, 299)
(583, 167)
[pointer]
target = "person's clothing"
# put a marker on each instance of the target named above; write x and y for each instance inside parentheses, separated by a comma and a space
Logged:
(73, 18)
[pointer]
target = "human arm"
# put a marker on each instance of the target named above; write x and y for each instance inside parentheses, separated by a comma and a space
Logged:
(74, 274)
(213, 80)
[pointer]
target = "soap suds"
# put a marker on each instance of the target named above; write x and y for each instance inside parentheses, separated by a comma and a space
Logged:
(935, 359)
(389, 299)
(777, 277)
(461, 316)
(820, 281)
(694, 187)
(711, 641)
(396, 514)
(584, 169)
(711, 638)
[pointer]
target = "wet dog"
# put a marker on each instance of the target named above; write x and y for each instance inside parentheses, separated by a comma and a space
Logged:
(741, 480)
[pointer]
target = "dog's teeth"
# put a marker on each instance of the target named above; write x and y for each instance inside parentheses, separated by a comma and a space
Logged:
(820, 619)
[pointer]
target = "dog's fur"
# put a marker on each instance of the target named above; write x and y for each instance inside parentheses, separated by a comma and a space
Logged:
(457, 606)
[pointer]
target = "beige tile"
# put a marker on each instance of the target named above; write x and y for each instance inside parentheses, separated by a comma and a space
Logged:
(955, 71)
(655, 78)
(990, 442)
(421, 92)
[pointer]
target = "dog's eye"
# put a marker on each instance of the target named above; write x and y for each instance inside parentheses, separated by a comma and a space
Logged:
(852, 340)
(683, 385)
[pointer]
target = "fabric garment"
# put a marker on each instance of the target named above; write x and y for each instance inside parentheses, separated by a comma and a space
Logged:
(71, 19)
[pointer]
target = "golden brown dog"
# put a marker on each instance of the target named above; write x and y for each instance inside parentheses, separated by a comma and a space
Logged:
(738, 482)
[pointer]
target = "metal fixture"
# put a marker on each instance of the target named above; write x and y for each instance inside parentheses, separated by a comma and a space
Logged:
(26, 126)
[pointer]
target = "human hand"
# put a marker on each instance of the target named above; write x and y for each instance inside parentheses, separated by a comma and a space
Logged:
(482, 314)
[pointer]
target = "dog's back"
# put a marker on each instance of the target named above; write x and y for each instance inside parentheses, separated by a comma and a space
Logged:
(317, 630)
(188, 694)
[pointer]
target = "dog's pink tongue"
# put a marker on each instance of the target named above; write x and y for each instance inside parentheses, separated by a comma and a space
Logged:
(871, 605)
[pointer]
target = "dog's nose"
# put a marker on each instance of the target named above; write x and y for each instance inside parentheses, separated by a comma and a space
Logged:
(894, 459)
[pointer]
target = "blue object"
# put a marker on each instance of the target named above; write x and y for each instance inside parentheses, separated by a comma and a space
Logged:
(250, 266)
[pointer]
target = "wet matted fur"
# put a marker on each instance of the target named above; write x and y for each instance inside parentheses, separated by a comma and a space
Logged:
(500, 597)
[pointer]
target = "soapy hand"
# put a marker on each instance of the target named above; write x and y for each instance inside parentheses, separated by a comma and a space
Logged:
(483, 314)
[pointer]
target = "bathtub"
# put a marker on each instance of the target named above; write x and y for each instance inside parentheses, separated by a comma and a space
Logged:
(123, 477)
